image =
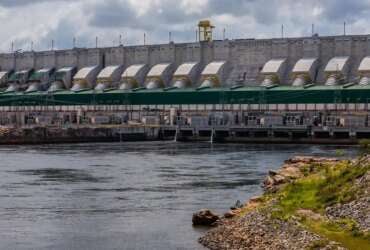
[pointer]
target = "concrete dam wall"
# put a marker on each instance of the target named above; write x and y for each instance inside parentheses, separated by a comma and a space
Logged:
(310, 90)
(247, 59)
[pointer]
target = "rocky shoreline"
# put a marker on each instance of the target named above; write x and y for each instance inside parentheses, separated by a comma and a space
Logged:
(310, 203)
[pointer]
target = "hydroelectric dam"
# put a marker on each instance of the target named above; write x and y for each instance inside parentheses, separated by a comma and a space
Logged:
(295, 90)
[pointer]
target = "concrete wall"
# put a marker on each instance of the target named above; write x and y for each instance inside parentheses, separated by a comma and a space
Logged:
(246, 56)
(45, 59)
(66, 58)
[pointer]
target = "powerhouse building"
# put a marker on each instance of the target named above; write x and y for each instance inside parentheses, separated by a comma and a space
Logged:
(309, 82)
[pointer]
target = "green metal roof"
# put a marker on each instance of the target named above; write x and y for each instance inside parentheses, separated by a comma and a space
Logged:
(15, 76)
(36, 76)
(60, 75)
(243, 95)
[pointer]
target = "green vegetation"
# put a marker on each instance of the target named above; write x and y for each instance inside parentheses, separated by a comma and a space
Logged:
(340, 152)
(319, 245)
(350, 238)
(365, 144)
(324, 186)
(331, 184)
(339, 186)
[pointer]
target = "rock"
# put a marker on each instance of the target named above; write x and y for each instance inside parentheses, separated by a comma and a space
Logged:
(271, 183)
(299, 159)
(256, 199)
(279, 179)
(272, 173)
(309, 214)
(268, 182)
(367, 178)
(357, 210)
(237, 205)
(310, 159)
(230, 214)
(255, 230)
(291, 172)
(204, 218)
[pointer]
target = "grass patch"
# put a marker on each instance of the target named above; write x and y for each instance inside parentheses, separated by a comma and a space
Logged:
(299, 195)
(339, 187)
(330, 185)
(350, 238)
(324, 186)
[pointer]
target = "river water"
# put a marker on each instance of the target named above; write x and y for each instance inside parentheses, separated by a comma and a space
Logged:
(127, 195)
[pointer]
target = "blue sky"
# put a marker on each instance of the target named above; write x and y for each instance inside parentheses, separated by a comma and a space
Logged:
(40, 21)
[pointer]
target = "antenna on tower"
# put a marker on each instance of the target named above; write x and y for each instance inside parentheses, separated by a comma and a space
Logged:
(74, 42)
(96, 42)
(144, 38)
(12, 47)
(120, 40)
(344, 28)
(282, 31)
(224, 34)
(313, 29)
(52, 44)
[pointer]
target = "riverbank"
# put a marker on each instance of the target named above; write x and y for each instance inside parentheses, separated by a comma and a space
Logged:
(310, 203)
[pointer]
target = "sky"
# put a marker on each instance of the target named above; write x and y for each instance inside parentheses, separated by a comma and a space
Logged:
(35, 23)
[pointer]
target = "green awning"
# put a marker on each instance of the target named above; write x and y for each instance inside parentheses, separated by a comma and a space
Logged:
(244, 95)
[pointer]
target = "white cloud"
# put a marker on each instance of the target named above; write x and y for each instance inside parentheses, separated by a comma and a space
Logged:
(142, 7)
(41, 21)
(35, 23)
(194, 7)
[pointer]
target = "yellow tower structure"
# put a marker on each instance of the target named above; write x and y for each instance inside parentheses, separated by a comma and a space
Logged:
(205, 29)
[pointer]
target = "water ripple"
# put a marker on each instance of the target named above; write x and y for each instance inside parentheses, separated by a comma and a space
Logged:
(126, 195)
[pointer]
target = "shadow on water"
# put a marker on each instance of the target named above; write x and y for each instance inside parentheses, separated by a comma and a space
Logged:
(62, 175)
